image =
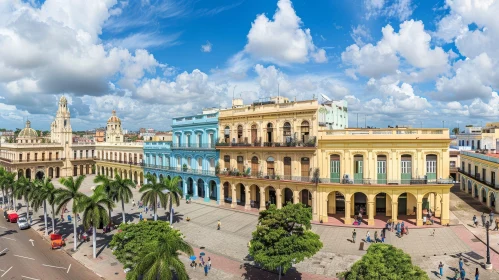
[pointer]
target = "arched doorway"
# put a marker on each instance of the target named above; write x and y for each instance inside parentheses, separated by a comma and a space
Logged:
(484, 195)
(286, 132)
(39, 175)
(382, 203)
(160, 177)
(241, 194)
(306, 197)
(57, 172)
(335, 203)
(407, 204)
(20, 173)
(201, 188)
(81, 169)
(254, 134)
(227, 192)
(213, 190)
(75, 170)
(469, 187)
(270, 195)
(288, 196)
(255, 196)
(254, 166)
(463, 185)
(475, 189)
(239, 134)
(359, 203)
(305, 131)
(190, 186)
(28, 173)
(492, 200)
(51, 172)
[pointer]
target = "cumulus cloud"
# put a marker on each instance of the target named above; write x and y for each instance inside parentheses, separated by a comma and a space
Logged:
(206, 47)
(282, 40)
(401, 9)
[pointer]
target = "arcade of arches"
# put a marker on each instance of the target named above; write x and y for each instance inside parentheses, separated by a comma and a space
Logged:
(134, 173)
(485, 194)
(328, 200)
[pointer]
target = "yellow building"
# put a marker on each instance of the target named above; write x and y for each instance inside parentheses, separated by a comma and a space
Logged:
(478, 177)
(269, 153)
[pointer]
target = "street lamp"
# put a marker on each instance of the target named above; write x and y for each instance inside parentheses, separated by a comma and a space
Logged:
(488, 264)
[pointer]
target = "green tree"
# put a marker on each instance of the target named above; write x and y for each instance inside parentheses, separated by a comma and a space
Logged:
(94, 212)
(70, 193)
(152, 192)
(24, 187)
(150, 249)
(44, 192)
(106, 185)
(174, 193)
(455, 130)
(7, 183)
(283, 237)
(123, 192)
(383, 261)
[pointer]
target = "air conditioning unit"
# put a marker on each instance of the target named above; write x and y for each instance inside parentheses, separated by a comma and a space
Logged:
(225, 170)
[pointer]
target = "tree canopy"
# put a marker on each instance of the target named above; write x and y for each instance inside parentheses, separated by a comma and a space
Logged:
(283, 237)
(383, 261)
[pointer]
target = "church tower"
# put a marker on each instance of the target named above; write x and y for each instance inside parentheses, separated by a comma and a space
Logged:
(60, 130)
(114, 132)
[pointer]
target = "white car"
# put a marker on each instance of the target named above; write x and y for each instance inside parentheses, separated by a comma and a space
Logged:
(23, 223)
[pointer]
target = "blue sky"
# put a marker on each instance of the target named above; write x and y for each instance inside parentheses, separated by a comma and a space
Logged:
(396, 62)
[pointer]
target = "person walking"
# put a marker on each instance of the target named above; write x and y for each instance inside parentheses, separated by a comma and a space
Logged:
(461, 264)
(491, 216)
(463, 274)
(376, 236)
(140, 217)
(441, 269)
(219, 225)
(393, 224)
(354, 235)
(497, 224)
(209, 263)
(477, 274)
(483, 219)
(206, 270)
(133, 202)
(368, 237)
(146, 209)
(475, 221)
(383, 236)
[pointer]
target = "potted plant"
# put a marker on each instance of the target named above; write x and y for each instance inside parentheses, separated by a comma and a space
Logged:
(184, 167)
(217, 169)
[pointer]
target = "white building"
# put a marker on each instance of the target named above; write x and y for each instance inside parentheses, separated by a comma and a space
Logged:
(477, 138)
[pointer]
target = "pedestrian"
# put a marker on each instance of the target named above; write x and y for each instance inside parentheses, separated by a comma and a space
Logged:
(393, 224)
(30, 220)
(201, 259)
(133, 202)
(354, 235)
(483, 219)
(456, 274)
(433, 233)
(193, 265)
(461, 263)
(475, 221)
(477, 274)
(383, 236)
(209, 263)
(140, 217)
(497, 224)
(491, 215)
(62, 217)
(376, 236)
(146, 209)
(441, 269)
(206, 270)
(463, 274)
(219, 225)
(368, 237)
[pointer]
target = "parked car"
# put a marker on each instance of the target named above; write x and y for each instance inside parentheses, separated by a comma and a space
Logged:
(23, 223)
(11, 216)
(56, 241)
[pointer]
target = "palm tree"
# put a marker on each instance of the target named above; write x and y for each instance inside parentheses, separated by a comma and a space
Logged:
(70, 193)
(455, 130)
(24, 187)
(106, 185)
(152, 191)
(7, 180)
(163, 258)
(174, 193)
(94, 212)
(44, 191)
(123, 192)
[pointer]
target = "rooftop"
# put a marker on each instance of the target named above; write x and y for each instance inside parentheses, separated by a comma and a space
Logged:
(386, 133)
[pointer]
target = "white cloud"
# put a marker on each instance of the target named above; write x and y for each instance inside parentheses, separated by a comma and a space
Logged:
(207, 47)
(282, 40)
(401, 9)
(359, 34)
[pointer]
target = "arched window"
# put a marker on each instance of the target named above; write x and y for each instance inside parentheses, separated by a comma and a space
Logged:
(286, 132)
(254, 135)
(239, 134)
(240, 164)
(270, 130)
(227, 134)
(305, 131)
(254, 166)
(227, 162)
(270, 166)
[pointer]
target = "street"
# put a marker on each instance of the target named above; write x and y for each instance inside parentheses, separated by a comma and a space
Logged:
(35, 260)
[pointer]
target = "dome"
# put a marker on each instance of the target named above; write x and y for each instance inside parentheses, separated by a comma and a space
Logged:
(114, 118)
(28, 132)
(63, 99)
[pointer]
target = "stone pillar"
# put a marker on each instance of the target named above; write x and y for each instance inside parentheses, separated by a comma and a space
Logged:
(207, 191)
(195, 189)
(279, 198)
(315, 205)
(221, 195)
(247, 197)
(296, 197)
(348, 220)
(185, 186)
(395, 209)
(234, 196)
(370, 213)
(445, 216)
(262, 198)
(419, 213)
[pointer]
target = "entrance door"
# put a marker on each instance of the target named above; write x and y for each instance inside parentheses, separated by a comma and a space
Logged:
(402, 204)
(305, 169)
(358, 175)
(287, 168)
(381, 168)
(335, 169)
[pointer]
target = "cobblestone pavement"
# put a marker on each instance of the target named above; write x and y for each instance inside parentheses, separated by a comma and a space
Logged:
(229, 245)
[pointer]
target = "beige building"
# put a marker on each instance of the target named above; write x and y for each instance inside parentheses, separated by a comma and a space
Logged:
(33, 156)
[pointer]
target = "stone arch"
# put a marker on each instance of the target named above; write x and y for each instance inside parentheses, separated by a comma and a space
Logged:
(382, 203)
(190, 186)
(227, 191)
(491, 202)
(483, 194)
(287, 196)
(40, 175)
(359, 202)
(201, 190)
(254, 196)
(213, 190)
(432, 201)
(51, 172)
(305, 197)
(407, 202)
(270, 195)
(20, 173)
(304, 131)
(335, 202)
(476, 194)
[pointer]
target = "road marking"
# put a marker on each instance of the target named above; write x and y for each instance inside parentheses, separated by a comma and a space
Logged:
(53, 266)
(6, 271)
(8, 238)
(31, 240)
(6, 249)
(4, 227)
(29, 277)
(24, 257)
(68, 268)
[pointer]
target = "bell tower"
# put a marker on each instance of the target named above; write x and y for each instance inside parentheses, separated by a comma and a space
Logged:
(60, 130)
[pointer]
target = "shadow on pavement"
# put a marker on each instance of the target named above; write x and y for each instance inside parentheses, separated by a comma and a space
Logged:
(252, 272)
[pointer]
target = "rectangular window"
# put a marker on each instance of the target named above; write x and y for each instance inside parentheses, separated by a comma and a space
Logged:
(240, 164)
(484, 174)
(469, 168)
(493, 178)
(452, 164)
(335, 166)
(358, 167)
(227, 162)
(381, 167)
(406, 166)
(431, 166)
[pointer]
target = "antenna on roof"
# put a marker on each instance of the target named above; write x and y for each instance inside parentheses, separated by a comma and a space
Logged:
(325, 97)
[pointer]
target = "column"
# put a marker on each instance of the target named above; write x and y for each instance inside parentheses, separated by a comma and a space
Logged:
(207, 191)
(279, 198)
(262, 198)
(370, 213)
(234, 196)
(220, 194)
(296, 197)
(247, 197)
(419, 213)
(348, 220)
(185, 186)
(444, 214)
(395, 208)
(315, 216)
(195, 189)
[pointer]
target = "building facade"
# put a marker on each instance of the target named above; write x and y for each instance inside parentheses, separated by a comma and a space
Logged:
(478, 138)
(191, 155)
(478, 173)
(33, 156)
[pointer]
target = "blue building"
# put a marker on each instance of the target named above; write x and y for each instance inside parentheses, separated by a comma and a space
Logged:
(191, 155)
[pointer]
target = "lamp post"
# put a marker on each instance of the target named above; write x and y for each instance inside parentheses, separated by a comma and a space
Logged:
(131, 175)
(488, 264)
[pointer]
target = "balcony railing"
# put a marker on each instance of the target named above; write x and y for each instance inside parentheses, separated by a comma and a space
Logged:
(83, 158)
(307, 144)
(310, 179)
(122, 162)
(181, 169)
(31, 160)
(194, 146)
(491, 184)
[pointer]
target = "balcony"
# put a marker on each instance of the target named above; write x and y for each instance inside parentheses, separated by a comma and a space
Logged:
(194, 146)
(82, 158)
(292, 144)
(310, 179)
(181, 170)
(30, 160)
(121, 162)
(477, 177)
